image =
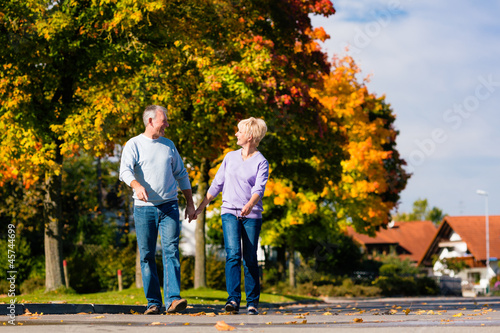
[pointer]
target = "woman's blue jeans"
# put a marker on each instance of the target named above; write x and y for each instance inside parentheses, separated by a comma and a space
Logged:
(237, 231)
(149, 222)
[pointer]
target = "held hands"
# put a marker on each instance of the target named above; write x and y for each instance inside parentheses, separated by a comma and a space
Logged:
(190, 213)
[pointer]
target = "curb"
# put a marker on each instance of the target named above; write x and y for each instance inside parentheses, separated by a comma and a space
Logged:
(64, 308)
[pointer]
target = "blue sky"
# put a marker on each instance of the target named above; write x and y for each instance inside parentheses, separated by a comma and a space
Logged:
(438, 64)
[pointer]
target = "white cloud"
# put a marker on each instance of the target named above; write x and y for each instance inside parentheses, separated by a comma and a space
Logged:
(431, 60)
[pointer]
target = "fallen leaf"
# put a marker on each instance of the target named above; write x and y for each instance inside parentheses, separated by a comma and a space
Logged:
(155, 323)
(299, 317)
(211, 314)
(458, 314)
(98, 317)
(407, 311)
(290, 322)
(327, 314)
(269, 323)
(197, 314)
(358, 320)
(222, 326)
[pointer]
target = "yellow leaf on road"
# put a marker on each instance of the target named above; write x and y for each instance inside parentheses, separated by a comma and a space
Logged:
(358, 320)
(458, 314)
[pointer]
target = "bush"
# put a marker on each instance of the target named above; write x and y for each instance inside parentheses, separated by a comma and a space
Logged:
(346, 288)
(31, 285)
(400, 278)
(113, 259)
(187, 272)
(215, 272)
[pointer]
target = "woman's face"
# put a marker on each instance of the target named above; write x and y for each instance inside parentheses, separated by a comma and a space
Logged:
(243, 138)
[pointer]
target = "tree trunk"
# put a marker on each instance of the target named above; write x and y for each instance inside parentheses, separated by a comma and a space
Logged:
(281, 262)
(291, 266)
(99, 185)
(200, 280)
(54, 272)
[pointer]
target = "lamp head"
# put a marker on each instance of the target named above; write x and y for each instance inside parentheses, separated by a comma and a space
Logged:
(481, 192)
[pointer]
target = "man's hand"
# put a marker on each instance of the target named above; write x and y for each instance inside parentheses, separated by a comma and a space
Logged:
(190, 213)
(140, 191)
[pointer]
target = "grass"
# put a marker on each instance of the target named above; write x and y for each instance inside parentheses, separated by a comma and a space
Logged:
(135, 296)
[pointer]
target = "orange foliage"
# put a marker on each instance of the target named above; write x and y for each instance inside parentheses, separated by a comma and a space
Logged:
(366, 121)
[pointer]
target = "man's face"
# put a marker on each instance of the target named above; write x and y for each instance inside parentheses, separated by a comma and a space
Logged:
(159, 124)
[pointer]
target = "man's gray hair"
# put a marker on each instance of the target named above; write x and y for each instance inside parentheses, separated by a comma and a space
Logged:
(150, 112)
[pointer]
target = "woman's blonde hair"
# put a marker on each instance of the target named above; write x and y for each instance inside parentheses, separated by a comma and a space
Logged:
(255, 127)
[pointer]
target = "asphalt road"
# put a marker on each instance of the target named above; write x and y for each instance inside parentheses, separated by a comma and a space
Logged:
(437, 314)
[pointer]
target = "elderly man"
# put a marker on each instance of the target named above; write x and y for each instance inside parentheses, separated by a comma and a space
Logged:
(152, 166)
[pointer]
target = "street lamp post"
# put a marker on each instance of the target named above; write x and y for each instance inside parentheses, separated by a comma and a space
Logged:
(485, 194)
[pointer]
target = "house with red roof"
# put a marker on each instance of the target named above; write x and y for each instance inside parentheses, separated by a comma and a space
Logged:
(463, 239)
(409, 240)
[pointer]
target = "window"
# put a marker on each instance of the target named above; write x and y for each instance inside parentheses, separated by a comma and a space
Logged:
(474, 277)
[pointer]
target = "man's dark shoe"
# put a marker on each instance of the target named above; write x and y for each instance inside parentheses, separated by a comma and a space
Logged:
(177, 305)
(232, 307)
(152, 310)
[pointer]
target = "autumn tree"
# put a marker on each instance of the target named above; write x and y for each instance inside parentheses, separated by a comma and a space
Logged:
(373, 175)
(255, 58)
(65, 88)
(361, 190)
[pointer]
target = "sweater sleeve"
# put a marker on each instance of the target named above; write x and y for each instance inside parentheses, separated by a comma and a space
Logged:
(261, 179)
(218, 182)
(127, 163)
(179, 171)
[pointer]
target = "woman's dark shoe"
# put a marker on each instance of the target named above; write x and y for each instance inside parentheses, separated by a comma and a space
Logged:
(232, 307)
(252, 311)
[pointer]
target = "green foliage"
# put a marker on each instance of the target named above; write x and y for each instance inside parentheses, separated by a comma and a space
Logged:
(93, 267)
(421, 212)
(451, 264)
(333, 253)
(187, 272)
(216, 278)
(110, 260)
(22, 260)
(401, 278)
(335, 288)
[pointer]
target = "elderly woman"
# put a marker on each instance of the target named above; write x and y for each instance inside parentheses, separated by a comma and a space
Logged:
(242, 179)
